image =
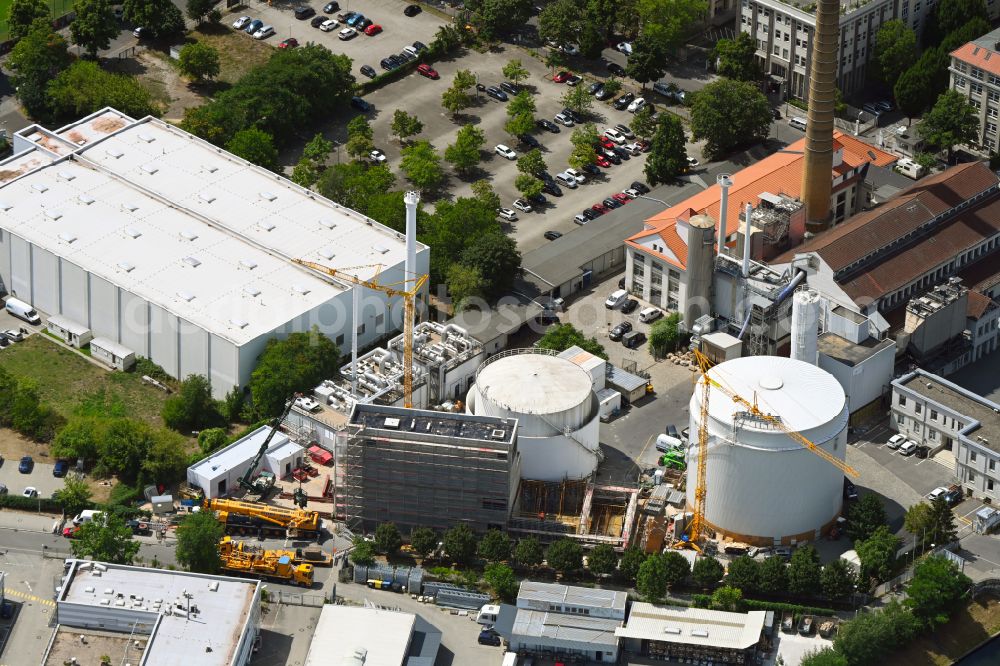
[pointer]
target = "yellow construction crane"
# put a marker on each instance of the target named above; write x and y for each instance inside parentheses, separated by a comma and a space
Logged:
(707, 382)
(390, 290)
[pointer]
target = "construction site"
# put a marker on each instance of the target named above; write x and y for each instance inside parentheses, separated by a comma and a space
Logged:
(593, 514)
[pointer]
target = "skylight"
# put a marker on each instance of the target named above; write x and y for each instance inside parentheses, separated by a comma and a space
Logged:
(132, 232)
(248, 264)
(53, 214)
(270, 196)
(192, 261)
(189, 235)
(114, 152)
(85, 199)
(186, 296)
(66, 237)
(251, 290)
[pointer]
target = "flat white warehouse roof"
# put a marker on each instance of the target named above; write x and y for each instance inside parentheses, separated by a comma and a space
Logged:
(187, 226)
(569, 595)
(224, 609)
(239, 452)
(693, 626)
(379, 637)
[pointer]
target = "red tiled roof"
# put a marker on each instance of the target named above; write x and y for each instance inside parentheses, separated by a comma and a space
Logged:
(779, 173)
(978, 56)
(978, 304)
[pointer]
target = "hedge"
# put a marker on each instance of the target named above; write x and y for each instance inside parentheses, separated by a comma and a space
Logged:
(705, 600)
(433, 52)
(46, 504)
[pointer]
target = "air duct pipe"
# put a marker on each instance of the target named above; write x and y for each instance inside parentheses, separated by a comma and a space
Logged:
(725, 182)
(746, 242)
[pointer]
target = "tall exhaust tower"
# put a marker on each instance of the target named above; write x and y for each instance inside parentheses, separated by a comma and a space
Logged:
(817, 178)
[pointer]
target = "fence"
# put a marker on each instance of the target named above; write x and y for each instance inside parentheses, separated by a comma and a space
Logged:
(300, 598)
(907, 575)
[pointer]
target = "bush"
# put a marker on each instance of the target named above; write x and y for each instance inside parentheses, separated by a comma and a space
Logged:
(144, 366)
(20, 503)
(124, 494)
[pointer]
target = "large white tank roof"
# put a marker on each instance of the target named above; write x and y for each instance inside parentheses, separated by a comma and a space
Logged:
(803, 395)
(534, 384)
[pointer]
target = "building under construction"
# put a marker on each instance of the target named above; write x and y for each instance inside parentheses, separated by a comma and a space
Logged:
(581, 510)
(419, 468)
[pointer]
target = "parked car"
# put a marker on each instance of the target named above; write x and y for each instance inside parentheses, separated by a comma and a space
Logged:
(355, 20)
(507, 214)
(622, 153)
(884, 105)
(504, 151)
(60, 468)
(346, 34)
(622, 102)
(369, 71)
(850, 490)
(595, 87)
(497, 94)
(377, 156)
(895, 441)
(908, 448)
(670, 91)
(547, 125)
(590, 214)
(26, 465)
(361, 104)
(510, 88)
(3, 489)
(566, 180)
(937, 493)
(6, 609)
(529, 140)
(522, 205)
(373, 29)
(614, 135)
(331, 7)
(576, 175)
(807, 625)
(624, 47)
(412, 10)
(624, 131)
(561, 77)
(692, 162)
(649, 314)
(602, 94)
(615, 299)
(563, 119)
(423, 69)
(636, 105)
(602, 161)
(599, 209)
(364, 24)
(242, 22)
(550, 187)
(618, 331)
(302, 13)
(253, 26)
(629, 306)
(346, 16)
(611, 155)
(580, 219)
(872, 109)
(317, 20)
(264, 32)
(776, 114)
(621, 198)
(328, 25)
(634, 339)
(610, 203)
(489, 637)
(616, 69)
(288, 43)
(631, 193)
(4, 342)
(552, 235)
(640, 187)
(142, 33)
(573, 80)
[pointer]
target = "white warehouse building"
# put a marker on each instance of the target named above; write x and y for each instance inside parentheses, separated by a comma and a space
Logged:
(178, 251)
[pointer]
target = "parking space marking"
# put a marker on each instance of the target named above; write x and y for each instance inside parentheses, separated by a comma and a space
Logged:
(29, 597)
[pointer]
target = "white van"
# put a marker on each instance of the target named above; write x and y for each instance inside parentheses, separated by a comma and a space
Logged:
(650, 314)
(566, 180)
(798, 123)
(488, 615)
(509, 659)
(616, 298)
(665, 443)
(910, 169)
(86, 516)
(22, 310)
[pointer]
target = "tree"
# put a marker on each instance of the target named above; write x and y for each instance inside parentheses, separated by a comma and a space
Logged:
(528, 186)
(362, 552)
(521, 103)
(358, 185)
(424, 540)
(602, 560)
(35, 61)
(648, 61)
(198, 537)
(422, 165)
(314, 158)
(825, 657)
(460, 543)
(743, 573)
(191, 408)
(387, 538)
(864, 517)
(528, 552)
(199, 61)
(870, 637)
(667, 156)
(667, 21)
(161, 17)
(942, 524)
(565, 556)
(631, 561)
(73, 497)
(895, 51)
(497, 259)
(578, 100)
(501, 578)
(165, 461)
(772, 576)
(79, 438)
(84, 87)
(95, 25)
(664, 335)
(359, 137)
(563, 336)
(22, 15)
(465, 154)
(837, 579)
(936, 590)
(106, 538)
(677, 568)
(727, 598)
(495, 546)
(451, 228)
(919, 85)
(559, 21)
(211, 439)
(484, 192)
(256, 146)
(804, 571)
(975, 27)
(531, 163)
(197, 10)
(493, 17)
(707, 571)
(404, 125)
(520, 124)
(951, 15)
(29, 416)
(951, 121)
(514, 71)
(584, 138)
(918, 519)
(712, 118)
(642, 122)
(877, 554)
(737, 58)
(612, 86)
(295, 364)
(651, 580)
(455, 100)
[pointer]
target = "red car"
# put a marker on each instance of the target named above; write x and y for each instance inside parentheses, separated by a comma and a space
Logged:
(599, 208)
(289, 43)
(561, 77)
(603, 162)
(426, 70)
(621, 198)
(373, 29)
(606, 142)
(70, 532)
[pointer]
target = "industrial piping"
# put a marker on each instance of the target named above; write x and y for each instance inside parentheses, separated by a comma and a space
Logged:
(725, 182)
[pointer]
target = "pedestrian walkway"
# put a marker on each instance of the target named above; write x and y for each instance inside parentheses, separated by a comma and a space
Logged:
(45, 523)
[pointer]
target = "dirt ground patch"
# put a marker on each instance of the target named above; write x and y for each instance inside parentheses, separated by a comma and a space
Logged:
(970, 627)
(238, 52)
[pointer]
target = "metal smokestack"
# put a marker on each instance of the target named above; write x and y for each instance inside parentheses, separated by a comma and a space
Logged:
(817, 176)
(411, 199)
(725, 182)
(746, 242)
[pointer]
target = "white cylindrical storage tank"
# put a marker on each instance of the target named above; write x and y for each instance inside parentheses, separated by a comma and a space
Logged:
(555, 405)
(805, 325)
(763, 487)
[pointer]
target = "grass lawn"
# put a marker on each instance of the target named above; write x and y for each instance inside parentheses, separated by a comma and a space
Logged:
(65, 380)
(57, 7)
(970, 627)
(238, 52)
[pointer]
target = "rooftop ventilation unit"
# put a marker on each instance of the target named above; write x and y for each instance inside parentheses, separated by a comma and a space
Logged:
(146, 138)
(192, 261)
(66, 175)
(53, 214)
(381, 249)
(206, 197)
(114, 152)
(300, 289)
(266, 226)
(248, 264)
(185, 296)
(700, 633)
(326, 253)
(211, 168)
(238, 323)
(672, 630)
(125, 266)
(67, 238)
(269, 196)
(40, 187)
(328, 223)
(188, 235)
(132, 232)
(251, 290)
(498, 434)
(85, 199)
(150, 168)
(4, 206)
(391, 423)
(130, 207)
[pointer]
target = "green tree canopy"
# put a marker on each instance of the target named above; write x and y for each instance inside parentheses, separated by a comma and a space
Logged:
(950, 122)
(514, 71)
(602, 560)
(451, 228)
(664, 335)
(936, 590)
(651, 579)
(668, 21)
(192, 407)
(870, 637)
(465, 283)
(484, 192)
(84, 87)
(106, 538)
(531, 163)
(578, 100)
(161, 17)
(22, 15)
(707, 571)
(528, 552)
(501, 578)
(743, 574)
(728, 599)
(212, 439)
(804, 571)
(95, 25)
(563, 336)
(424, 540)
(837, 579)
(523, 123)
(584, 138)
(864, 517)
(825, 657)
(197, 10)
(895, 51)
(387, 538)
(631, 561)
(198, 537)
(495, 546)
(199, 61)
(877, 554)
(642, 122)
(460, 543)
(497, 259)
(921, 84)
(493, 18)
(359, 137)
(455, 100)
(737, 58)
(422, 166)
(465, 154)
(648, 61)
(528, 185)
(256, 146)
(74, 496)
(772, 576)
(295, 364)
(949, 16)
(558, 22)
(667, 156)
(355, 185)
(677, 567)
(79, 438)
(712, 118)
(362, 552)
(565, 556)
(404, 125)
(37, 58)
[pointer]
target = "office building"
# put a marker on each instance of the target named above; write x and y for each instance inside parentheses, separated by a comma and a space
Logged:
(975, 72)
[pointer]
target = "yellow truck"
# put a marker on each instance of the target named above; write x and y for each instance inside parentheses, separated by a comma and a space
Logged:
(264, 564)
(259, 518)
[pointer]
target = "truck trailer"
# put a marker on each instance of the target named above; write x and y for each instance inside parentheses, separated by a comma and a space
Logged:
(267, 565)
(256, 518)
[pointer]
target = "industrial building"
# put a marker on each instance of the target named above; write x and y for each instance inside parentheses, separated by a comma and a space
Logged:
(657, 258)
(753, 468)
(954, 424)
(153, 617)
(218, 474)
(429, 469)
(566, 622)
(140, 233)
(975, 72)
(555, 405)
(352, 636)
(691, 635)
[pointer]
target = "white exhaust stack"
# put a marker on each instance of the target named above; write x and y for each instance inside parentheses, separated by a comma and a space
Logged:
(411, 199)
(725, 182)
(746, 241)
